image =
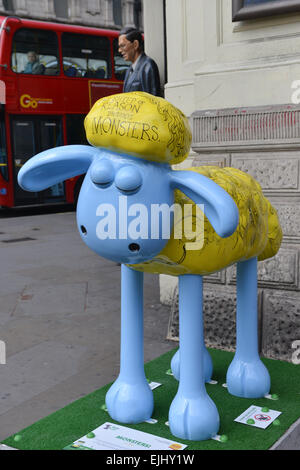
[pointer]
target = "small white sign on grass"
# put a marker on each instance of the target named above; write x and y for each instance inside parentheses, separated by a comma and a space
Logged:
(111, 436)
(259, 417)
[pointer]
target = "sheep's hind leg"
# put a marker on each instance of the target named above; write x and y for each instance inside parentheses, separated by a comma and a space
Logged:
(247, 376)
(192, 415)
(130, 399)
(208, 365)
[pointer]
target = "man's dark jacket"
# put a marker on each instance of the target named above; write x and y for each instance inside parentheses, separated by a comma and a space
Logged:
(145, 77)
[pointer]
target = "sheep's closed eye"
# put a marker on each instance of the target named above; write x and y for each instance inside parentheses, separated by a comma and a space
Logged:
(128, 179)
(102, 173)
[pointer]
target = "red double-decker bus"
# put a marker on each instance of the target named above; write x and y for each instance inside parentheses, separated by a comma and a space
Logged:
(50, 76)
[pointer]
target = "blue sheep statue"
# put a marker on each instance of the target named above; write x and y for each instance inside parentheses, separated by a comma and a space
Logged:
(135, 139)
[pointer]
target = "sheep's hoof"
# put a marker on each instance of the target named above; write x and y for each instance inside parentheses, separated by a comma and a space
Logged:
(208, 365)
(175, 365)
(248, 379)
(130, 403)
(195, 419)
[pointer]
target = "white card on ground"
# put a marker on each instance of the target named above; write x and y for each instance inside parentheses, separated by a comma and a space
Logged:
(154, 385)
(151, 421)
(111, 436)
(262, 419)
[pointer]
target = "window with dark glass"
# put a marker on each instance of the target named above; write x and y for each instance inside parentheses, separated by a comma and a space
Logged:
(120, 64)
(75, 129)
(253, 2)
(31, 135)
(86, 56)
(117, 12)
(3, 152)
(61, 8)
(35, 51)
(253, 9)
(8, 5)
(137, 13)
(50, 134)
(23, 139)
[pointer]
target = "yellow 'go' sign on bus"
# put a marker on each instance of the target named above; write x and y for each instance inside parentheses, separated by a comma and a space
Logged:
(27, 101)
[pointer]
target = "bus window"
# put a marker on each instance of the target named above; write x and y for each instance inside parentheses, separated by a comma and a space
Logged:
(75, 130)
(35, 51)
(120, 64)
(23, 148)
(31, 135)
(3, 153)
(23, 141)
(86, 56)
(76, 136)
(51, 134)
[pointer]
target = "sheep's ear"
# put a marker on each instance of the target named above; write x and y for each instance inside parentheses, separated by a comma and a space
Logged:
(219, 207)
(55, 165)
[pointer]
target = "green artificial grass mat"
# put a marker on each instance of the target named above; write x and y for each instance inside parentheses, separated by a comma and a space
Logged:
(63, 427)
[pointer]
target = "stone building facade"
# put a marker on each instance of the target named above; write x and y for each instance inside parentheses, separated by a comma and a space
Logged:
(100, 13)
(239, 82)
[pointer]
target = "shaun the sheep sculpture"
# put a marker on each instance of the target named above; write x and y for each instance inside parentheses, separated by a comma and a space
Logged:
(134, 138)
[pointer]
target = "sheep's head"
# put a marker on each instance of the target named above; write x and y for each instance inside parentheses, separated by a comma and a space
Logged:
(114, 207)
(120, 190)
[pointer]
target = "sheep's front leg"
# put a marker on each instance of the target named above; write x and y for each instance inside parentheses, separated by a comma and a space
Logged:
(193, 415)
(247, 376)
(130, 399)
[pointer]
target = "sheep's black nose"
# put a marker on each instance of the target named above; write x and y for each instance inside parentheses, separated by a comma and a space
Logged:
(134, 247)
